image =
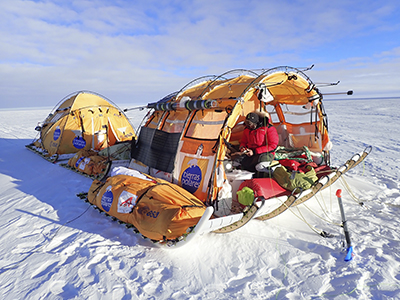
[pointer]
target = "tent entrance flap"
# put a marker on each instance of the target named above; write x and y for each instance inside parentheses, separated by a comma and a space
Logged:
(156, 149)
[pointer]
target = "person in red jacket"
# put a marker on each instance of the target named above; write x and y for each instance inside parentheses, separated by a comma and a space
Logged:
(258, 142)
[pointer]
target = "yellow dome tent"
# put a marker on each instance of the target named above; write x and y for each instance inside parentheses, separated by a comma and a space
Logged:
(83, 121)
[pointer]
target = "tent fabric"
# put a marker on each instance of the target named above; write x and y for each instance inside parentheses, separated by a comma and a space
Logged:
(84, 121)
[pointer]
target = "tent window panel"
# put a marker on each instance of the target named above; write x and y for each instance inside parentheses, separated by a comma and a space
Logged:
(175, 121)
(206, 125)
(274, 117)
(57, 117)
(296, 114)
(273, 114)
(154, 120)
(156, 149)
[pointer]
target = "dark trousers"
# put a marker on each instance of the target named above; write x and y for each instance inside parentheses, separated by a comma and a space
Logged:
(249, 162)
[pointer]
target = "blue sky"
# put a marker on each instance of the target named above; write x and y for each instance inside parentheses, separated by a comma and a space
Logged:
(135, 52)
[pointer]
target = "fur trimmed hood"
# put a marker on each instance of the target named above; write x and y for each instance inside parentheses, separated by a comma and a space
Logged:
(264, 117)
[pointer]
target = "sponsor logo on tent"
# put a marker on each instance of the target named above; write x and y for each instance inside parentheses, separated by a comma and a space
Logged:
(107, 199)
(84, 163)
(78, 162)
(146, 211)
(126, 202)
(191, 177)
(56, 133)
(122, 129)
(79, 142)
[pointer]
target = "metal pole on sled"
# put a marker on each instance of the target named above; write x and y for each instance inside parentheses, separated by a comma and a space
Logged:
(349, 255)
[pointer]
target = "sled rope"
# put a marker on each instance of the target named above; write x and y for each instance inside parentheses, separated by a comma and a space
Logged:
(327, 219)
(302, 218)
(352, 195)
(351, 164)
(324, 202)
(359, 201)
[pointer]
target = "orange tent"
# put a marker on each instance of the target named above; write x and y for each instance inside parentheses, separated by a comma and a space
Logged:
(83, 121)
(185, 139)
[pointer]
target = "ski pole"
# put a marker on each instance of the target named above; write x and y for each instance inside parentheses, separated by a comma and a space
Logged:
(350, 254)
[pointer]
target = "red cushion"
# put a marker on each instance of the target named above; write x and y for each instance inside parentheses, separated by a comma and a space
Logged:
(323, 171)
(266, 187)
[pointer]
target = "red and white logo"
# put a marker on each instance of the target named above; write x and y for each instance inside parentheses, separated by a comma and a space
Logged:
(126, 202)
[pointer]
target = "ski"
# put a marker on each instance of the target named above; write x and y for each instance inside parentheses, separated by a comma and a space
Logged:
(50, 158)
(199, 229)
(323, 183)
(101, 177)
(225, 224)
(247, 217)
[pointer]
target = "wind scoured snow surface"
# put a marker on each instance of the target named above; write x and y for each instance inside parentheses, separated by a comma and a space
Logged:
(55, 246)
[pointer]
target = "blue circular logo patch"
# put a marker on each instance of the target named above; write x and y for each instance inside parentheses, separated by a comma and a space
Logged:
(191, 179)
(79, 142)
(107, 200)
(78, 162)
(56, 134)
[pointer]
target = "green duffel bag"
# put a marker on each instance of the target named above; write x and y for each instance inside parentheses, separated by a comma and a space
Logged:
(293, 180)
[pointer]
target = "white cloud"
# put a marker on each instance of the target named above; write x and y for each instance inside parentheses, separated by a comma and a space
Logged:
(145, 49)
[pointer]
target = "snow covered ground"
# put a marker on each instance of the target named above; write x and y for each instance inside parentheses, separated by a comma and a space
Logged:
(55, 246)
